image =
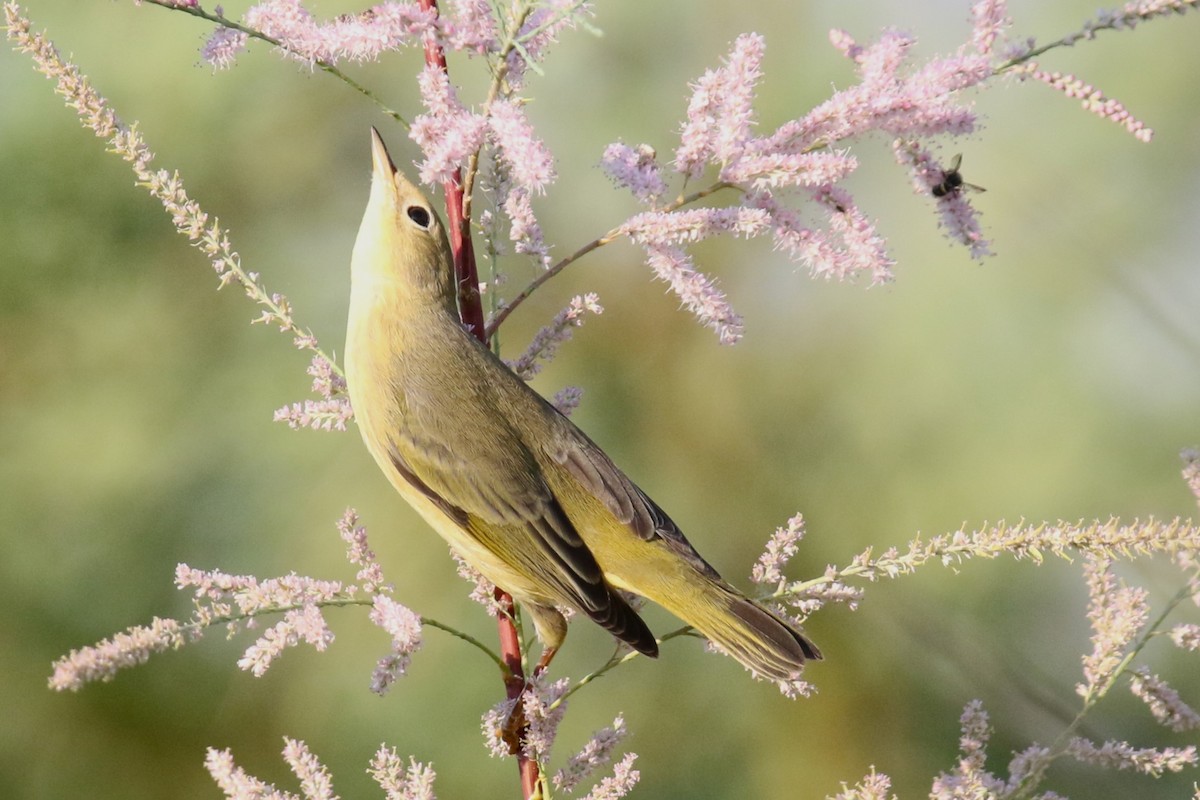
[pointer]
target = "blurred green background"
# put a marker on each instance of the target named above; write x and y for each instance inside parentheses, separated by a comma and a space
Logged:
(1058, 379)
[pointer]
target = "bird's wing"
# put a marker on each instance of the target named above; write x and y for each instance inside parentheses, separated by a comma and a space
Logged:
(596, 472)
(497, 481)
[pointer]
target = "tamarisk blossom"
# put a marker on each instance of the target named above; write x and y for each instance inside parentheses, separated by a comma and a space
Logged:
(315, 781)
(546, 341)
(470, 26)
(398, 781)
(447, 133)
(1186, 636)
(541, 28)
(524, 230)
(620, 783)
(873, 786)
(542, 706)
(1164, 702)
(222, 48)
(957, 217)
(239, 601)
(352, 37)
(801, 160)
(528, 163)
(331, 412)
(401, 782)
(970, 777)
(404, 626)
(1118, 614)
(1121, 755)
(635, 169)
(1091, 98)
(596, 753)
(236, 783)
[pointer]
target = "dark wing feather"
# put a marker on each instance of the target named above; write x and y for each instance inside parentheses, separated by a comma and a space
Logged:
(596, 472)
(500, 485)
(569, 565)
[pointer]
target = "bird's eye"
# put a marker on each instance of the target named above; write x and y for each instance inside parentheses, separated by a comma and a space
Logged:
(419, 215)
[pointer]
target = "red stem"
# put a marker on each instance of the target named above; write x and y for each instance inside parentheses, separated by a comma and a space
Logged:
(470, 308)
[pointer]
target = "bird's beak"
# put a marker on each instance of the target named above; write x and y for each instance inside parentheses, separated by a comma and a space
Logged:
(382, 167)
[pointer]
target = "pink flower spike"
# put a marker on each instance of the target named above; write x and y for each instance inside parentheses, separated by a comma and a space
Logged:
(405, 628)
(546, 342)
(635, 169)
(223, 47)
(1092, 99)
(306, 624)
(1117, 614)
(529, 162)
(567, 399)
(1191, 470)
(1121, 755)
(447, 133)
(541, 29)
(320, 415)
(359, 553)
(1164, 702)
(315, 780)
(958, 218)
(720, 112)
(398, 782)
(102, 661)
(692, 225)
(767, 171)
(845, 44)
(361, 37)
(524, 229)
(990, 21)
(236, 783)
(698, 293)
(874, 786)
(743, 69)
(620, 783)
(863, 250)
(596, 753)
(469, 25)
(783, 544)
(1186, 636)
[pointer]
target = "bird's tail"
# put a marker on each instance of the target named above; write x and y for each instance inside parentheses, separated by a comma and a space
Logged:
(759, 639)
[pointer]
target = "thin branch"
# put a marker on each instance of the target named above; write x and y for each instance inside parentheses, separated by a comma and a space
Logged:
(222, 20)
(595, 244)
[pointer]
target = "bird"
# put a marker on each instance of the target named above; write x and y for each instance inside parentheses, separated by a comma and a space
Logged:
(517, 489)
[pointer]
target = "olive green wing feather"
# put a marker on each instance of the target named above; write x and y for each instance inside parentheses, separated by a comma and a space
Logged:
(493, 488)
(596, 472)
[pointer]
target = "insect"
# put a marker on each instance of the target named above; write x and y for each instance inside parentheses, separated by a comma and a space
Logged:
(952, 181)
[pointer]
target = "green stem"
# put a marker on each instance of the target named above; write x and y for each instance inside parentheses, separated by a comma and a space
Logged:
(1122, 22)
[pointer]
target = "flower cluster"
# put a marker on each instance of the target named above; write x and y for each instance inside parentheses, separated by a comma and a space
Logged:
(1119, 615)
(542, 706)
(546, 341)
(238, 601)
(331, 412)
(1091, 98)
(398, 781)
(798, 161)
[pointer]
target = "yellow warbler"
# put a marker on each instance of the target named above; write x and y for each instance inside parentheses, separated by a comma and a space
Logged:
(515, 487)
